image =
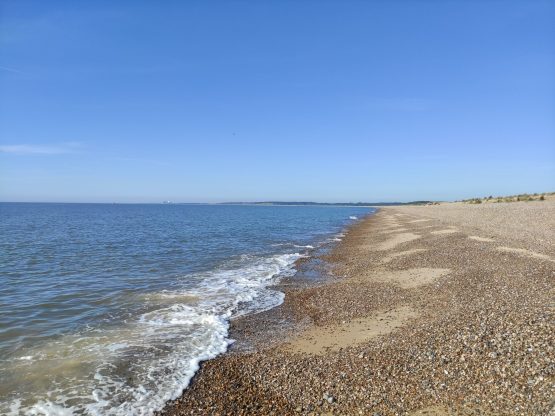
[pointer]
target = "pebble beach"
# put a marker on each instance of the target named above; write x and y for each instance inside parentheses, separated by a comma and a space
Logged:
(428, 310)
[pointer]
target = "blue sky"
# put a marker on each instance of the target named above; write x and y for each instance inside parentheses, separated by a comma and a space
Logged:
(275, 100)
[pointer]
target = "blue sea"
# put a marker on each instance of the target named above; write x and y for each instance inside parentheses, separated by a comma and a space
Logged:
(108, 309)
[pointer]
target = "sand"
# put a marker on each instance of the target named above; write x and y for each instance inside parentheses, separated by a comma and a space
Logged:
(482, 239)
(410, 278)
(446, 231)
(394, 241)
(524, 252)
(417, 322)
(392, 256)
(335, 337)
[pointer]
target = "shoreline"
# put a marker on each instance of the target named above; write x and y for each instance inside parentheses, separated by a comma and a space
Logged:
(312, 270)
(433, 310)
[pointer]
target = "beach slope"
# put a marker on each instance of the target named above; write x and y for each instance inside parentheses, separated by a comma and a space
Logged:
(444, 309)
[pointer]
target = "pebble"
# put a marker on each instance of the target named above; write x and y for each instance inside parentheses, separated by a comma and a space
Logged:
(483, 342)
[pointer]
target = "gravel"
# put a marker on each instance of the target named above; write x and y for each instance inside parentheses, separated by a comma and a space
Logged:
(482, 343)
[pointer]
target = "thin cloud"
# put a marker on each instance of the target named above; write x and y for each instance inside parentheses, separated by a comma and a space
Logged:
(5, 68)
(28, 149)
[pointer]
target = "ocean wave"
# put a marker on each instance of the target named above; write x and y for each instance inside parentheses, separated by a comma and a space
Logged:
(136, 367)
(309, 246)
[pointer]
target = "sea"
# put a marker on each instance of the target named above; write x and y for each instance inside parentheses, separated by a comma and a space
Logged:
(108, 309)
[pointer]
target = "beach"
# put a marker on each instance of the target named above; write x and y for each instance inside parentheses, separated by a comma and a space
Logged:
(431, 310)
(277, 208)
(108, 309)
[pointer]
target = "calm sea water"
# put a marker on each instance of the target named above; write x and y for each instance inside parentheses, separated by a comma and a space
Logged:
(108, 309)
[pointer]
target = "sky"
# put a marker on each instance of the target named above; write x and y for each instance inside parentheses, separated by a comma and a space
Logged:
(213, 101)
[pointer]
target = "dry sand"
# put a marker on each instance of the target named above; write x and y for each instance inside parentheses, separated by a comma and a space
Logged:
(409, 278)
(446, 231)
(524, 252)
(394, 241)
(421, 322)
(319, 340)
(483, 239)
(392, 256)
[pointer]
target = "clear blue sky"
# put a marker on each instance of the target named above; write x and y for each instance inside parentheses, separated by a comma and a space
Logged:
(275, 100)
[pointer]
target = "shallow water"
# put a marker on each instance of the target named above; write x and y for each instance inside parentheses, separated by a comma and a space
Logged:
(108, 309)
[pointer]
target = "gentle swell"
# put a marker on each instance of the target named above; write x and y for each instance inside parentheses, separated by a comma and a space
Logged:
(162, 347)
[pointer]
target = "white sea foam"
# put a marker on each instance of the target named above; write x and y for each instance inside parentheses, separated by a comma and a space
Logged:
(352, 217)
(336, 238)
(13, 409)
(293, 245)
(136, 367)
(48, 408)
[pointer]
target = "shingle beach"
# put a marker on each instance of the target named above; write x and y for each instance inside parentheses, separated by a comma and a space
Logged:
(432, 310)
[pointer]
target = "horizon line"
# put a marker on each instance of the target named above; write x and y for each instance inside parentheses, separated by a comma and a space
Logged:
(222, 203)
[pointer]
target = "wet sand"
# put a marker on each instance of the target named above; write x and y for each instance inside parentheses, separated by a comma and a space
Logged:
(434, 310)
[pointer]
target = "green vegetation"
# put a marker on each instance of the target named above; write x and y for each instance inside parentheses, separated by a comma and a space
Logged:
(510, 198)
